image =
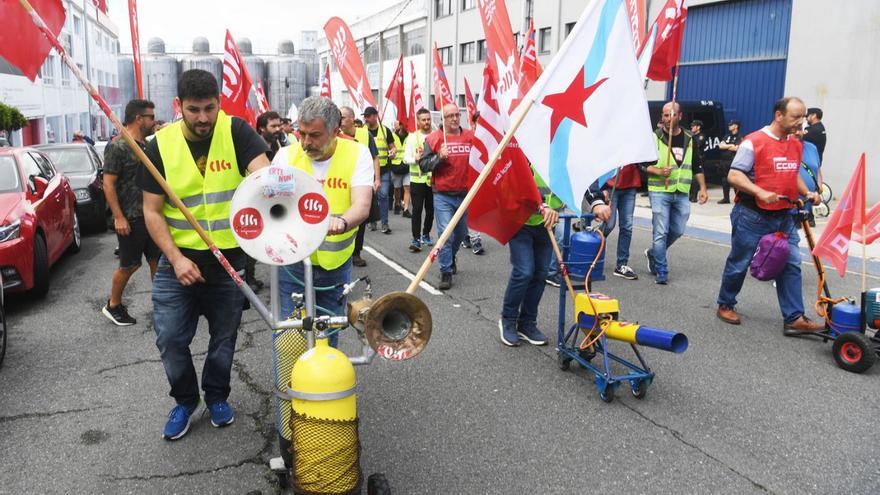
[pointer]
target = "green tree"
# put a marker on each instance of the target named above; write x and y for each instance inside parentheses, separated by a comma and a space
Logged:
(11, 119)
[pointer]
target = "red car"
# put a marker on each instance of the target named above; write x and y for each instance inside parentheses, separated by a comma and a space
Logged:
(37, 219)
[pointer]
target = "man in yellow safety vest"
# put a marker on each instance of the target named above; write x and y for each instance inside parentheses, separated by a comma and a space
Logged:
(420, 183)
(387, 151)
(203, 157)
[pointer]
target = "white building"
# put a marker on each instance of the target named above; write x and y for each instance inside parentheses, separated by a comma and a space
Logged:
(56, 105)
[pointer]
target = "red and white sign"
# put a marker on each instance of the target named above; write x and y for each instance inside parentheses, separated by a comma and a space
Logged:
(326, 91)
(313, 208)
(247, 223)
(351, 68)
(236, 84)
(442, 93)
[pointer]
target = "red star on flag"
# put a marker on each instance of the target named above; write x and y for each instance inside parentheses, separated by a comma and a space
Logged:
(570, 103)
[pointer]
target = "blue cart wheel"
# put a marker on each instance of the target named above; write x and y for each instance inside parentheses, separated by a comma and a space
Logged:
(639, 389)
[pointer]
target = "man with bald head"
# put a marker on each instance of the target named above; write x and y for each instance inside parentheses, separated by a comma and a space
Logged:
(766, 173)
(669, 183)
(445, 154)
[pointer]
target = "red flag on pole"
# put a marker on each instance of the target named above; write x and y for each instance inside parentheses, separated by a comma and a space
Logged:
(502, 54)
(415, 98)
(100, 5)
(872, 229)
(21, 42)
(262, 101)
(325, 83)
(667, 47)
(636, 11)
(507, 199)
(236, 84)
(529, 67)
(351, 68)
(396, 94)
(469, 103)
(135, 46)
(833, 245)
(442, 93)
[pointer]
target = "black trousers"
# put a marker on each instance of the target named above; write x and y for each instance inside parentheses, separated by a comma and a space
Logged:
(359, 239)
(724, 169)
(422, 198)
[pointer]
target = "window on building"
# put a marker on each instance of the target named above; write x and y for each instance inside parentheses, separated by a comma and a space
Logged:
(47, 72)
(445, 55)
(372, 54)
(77, 26)
(392, 47)
(568, 27)
(467, 52)
(544, 40)
(481, 50)
(65, 75)
(442, 8)
(414, 42)
(468, 4)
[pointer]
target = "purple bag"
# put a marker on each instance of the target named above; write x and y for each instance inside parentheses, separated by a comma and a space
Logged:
(770, 258)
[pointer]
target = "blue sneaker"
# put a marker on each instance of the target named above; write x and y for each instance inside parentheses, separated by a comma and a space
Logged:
(530, 333)
(426, 240)
(179, 420)
(509, 336)
(415, 246)
(661, 279)
(221, 414)
(651, 267)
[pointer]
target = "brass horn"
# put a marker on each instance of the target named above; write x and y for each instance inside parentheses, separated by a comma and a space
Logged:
(397, 325)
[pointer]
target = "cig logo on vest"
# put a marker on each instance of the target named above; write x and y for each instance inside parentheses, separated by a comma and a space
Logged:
(313, 208)
(247, 223)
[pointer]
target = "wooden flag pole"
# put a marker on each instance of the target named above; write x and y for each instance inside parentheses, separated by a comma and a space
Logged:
(447, 232)
(123, 132)
(864, 236)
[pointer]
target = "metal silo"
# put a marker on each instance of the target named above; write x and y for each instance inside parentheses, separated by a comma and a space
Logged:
(201, 59)
(313, 68)
(160, 73)
(127, 86)
(256, 66)
(287, 79)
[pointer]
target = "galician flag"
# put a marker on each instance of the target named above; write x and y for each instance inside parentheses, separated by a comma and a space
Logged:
(589, 114)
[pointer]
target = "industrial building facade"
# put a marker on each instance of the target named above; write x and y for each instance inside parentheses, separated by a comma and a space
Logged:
(56, 105)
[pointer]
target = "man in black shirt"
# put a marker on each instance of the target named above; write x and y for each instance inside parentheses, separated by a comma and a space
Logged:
(206, 156)
(699, 145)
(815, 132)
(269, 127)
(728, 149)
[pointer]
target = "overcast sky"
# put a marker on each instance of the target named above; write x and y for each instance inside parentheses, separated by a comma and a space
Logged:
(265, 22)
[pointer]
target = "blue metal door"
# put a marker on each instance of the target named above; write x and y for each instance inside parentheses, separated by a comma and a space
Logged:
(735, 53)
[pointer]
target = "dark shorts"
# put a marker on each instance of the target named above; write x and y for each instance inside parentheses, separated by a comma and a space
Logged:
(136, 245)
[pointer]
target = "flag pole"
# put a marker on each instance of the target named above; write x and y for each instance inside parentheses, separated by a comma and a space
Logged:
(123, 132)
(447, 232)
(864, 233)
(669, 144)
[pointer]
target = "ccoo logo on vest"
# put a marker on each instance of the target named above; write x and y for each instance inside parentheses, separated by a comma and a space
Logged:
(313, 208)
(248, 223)
(784, 164)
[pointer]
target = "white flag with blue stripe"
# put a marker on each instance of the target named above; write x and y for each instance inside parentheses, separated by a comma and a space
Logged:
(589, 114)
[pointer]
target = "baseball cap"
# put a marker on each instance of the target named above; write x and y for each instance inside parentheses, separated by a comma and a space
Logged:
(370, 111)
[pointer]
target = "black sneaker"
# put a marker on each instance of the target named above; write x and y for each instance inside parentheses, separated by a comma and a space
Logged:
(477, 246)
(407, 214)
(445, 281)
(386, 229)
(118, 315)
(372, 226)
(466, 243)
(650, 257)
(625, 272)
(554, 280)
(531, 334)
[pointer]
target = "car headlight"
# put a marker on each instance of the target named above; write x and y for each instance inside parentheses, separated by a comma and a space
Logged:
(10, 231)
(82, 194)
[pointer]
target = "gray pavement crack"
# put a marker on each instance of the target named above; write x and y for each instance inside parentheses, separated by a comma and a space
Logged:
(48, 414)
(126, 365)
(250, 460)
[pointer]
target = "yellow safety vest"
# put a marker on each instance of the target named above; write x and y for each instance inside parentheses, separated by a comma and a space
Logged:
(381, 144)
(208, 197)
(398, 158)
(338, 248)
(680, 176)
(416, 176)
(362, 135)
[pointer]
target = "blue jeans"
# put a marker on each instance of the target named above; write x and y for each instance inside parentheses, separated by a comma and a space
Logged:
(327, 300)
(176, 310)
(670, 212)
(384, 194)
(445, 206)
(558, 233)
(623, 205)
(748, 228)
(530, 252)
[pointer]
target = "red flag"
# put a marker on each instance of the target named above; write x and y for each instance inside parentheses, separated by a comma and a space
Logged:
(501, 53)
(325, 83)
(442, 93)
(135, 46)
(469, 103)
(396, 94)
(509, 195)
(636, 11)
(236, 84)
(21, 42)
(667, 47)
(349, 62)
(529, 67)
(872, 229)
(415, 98)
(833, 246)
(100, 5)
(262, 101)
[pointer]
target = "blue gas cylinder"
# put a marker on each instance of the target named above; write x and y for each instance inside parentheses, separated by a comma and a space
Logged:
(584, 249)
(846, 317)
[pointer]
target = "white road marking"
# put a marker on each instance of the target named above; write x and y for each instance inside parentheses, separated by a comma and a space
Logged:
(430, 289)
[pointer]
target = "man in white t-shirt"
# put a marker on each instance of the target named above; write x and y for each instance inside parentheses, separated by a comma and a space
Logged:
(345, 169)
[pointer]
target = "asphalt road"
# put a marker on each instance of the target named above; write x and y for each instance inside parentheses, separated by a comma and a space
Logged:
(744, 410)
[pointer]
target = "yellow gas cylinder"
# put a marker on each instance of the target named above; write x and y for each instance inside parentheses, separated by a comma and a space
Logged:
(325, 441)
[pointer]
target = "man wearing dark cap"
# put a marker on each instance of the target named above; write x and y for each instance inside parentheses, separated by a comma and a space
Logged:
(728, 149)
(384, 139)
(815, 131)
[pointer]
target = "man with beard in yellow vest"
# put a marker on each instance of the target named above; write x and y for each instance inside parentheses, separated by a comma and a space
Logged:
(345, 168)
(203, 157)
